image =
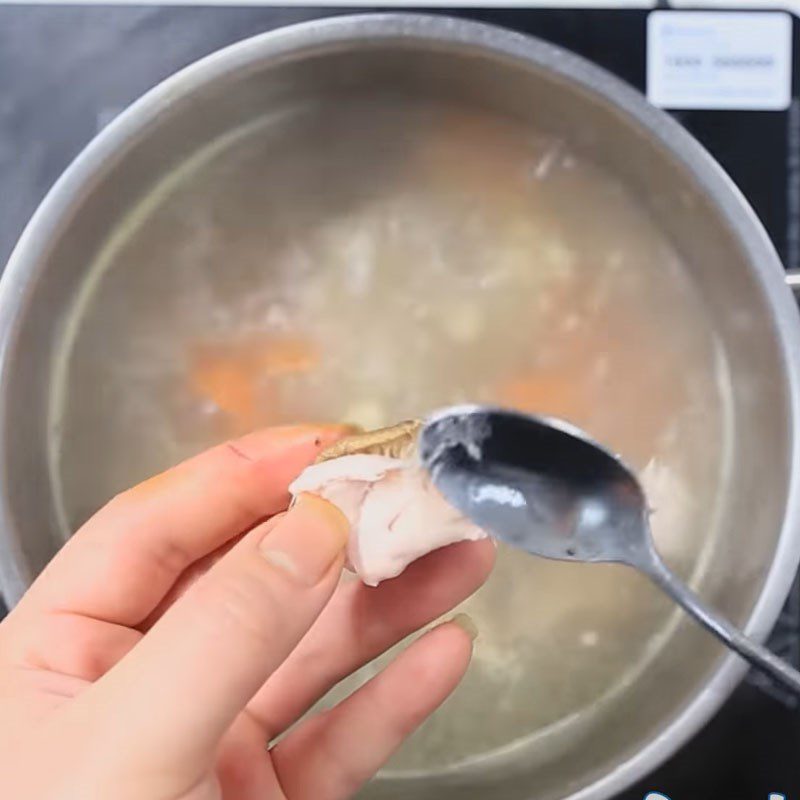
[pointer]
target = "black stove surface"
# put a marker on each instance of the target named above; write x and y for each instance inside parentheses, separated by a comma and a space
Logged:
(66, 71)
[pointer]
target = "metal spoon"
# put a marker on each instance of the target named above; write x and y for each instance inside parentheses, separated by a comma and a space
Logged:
(545, 486)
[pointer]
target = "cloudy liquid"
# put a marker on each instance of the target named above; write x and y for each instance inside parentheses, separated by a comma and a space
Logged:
(370, 264)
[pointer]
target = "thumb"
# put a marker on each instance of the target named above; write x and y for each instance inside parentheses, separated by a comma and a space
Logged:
(193, 673)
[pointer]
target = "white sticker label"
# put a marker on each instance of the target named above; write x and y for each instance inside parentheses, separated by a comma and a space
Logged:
(719, 60)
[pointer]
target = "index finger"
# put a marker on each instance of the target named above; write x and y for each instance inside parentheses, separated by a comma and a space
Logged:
(124, 560)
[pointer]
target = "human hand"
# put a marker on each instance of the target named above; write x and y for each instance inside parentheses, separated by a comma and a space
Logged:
(188, 623)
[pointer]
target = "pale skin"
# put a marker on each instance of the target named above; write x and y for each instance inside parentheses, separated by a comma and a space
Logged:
(191, 621)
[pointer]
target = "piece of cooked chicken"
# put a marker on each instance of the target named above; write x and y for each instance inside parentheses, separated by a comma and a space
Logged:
(396, 514)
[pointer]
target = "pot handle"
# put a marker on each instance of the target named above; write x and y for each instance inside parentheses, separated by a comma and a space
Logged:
(793, 281)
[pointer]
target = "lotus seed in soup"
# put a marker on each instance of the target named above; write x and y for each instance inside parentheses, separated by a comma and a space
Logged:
(413, 257)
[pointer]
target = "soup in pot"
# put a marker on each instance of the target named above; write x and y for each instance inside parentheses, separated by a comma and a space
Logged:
(370, 263)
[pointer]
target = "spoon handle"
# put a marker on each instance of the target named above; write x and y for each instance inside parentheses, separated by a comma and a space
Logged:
(756, 655)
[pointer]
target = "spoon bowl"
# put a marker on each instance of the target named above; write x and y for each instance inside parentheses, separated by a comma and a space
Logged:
(538, 483)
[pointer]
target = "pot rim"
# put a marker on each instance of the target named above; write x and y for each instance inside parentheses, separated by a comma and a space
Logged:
(26, 268)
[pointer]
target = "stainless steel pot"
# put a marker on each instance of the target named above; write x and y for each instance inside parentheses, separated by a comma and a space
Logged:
(733, 265)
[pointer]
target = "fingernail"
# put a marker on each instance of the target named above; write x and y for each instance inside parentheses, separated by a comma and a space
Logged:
(323, 431)
(308, 540)
(330, 433)
(467, 624)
